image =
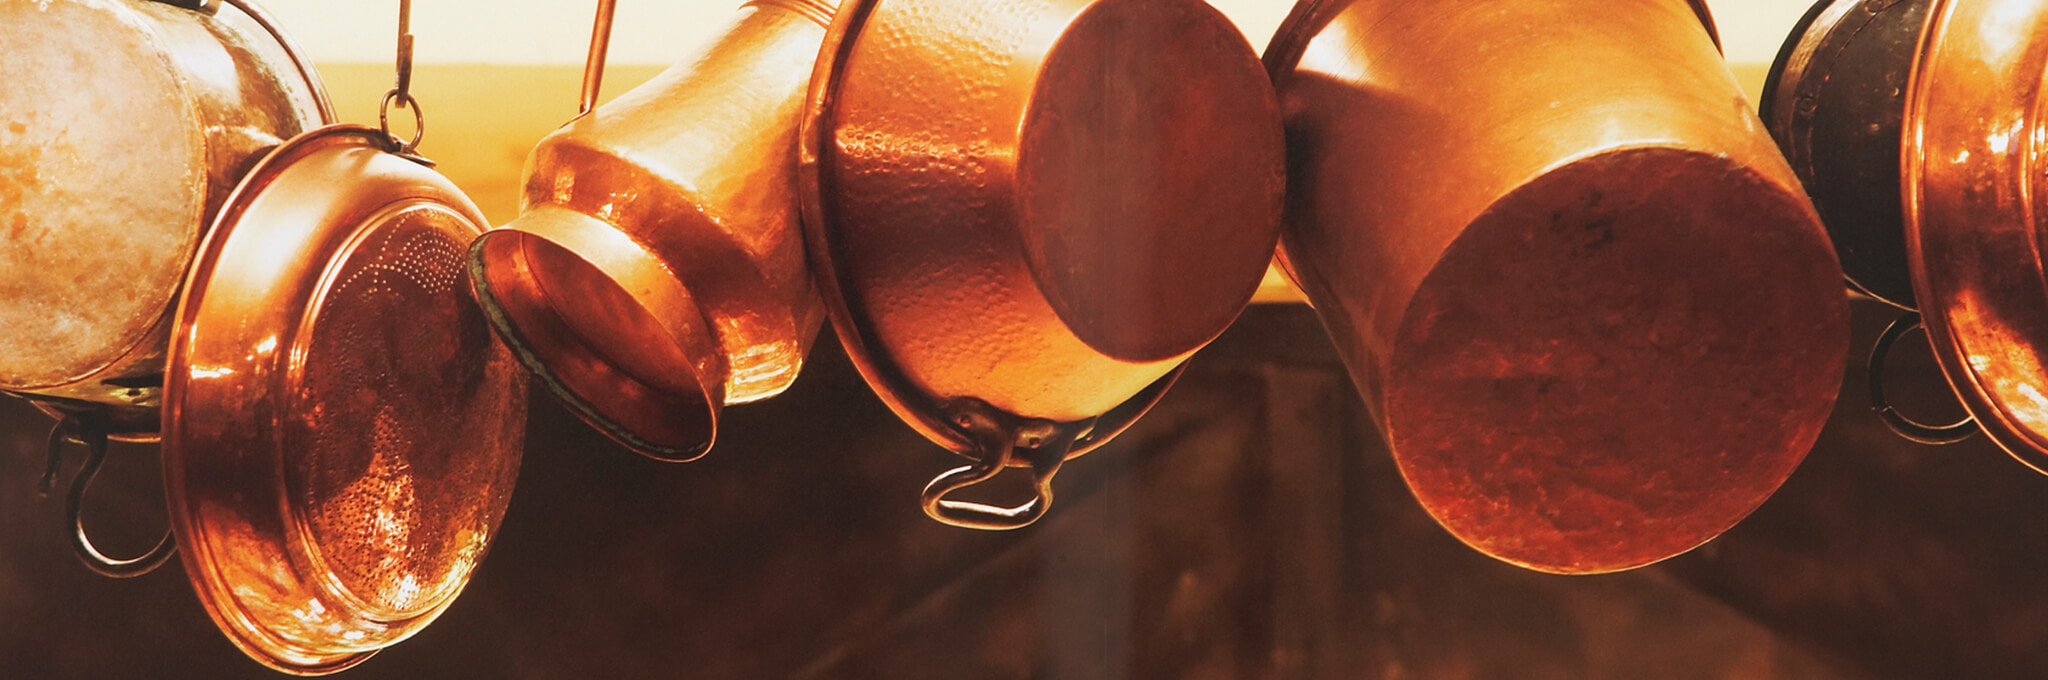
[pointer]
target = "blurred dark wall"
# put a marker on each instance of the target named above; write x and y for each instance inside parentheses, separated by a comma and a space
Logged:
(1250, 527)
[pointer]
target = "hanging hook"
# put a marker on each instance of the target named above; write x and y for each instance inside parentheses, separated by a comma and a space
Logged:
(998, 436)
(1905, 427)
(401, 93)
(86, 428)
(593, 64)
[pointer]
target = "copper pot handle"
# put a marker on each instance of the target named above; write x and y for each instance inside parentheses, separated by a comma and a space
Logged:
(1906, 427)
(998, 436)
(88, 429)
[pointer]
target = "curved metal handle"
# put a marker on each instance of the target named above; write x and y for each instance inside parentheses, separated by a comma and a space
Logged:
(998, 437)
(1906, 427)
(300, 61)
(89, 431)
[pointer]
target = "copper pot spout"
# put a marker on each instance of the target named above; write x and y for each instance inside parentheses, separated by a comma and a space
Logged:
(1595, 317)
(656, 272)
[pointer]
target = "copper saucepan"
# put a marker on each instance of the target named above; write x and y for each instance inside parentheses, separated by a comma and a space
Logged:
(656, 272)
(1596, 319)
(123, 125)
(1914, 125)
(1025, 216)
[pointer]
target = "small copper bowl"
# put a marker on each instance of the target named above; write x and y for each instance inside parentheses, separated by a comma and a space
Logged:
(1596, 318)
(656, 271)
(1025, 216)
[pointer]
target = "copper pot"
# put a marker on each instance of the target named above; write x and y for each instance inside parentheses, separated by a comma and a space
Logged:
(1025, 216)
(123, 126)
(656, 271)
(1596, 319)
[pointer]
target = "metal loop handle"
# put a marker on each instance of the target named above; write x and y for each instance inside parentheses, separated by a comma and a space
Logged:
(998, 443)
(1905, 427)
(90, 432)
(419, 120)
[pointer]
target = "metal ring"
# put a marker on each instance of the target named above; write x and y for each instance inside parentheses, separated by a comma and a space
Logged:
(998, 436)
(419, 119)
(1905, 427)
(95, 439)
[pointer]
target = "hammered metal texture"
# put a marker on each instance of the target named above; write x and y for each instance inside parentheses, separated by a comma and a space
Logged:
(1577, 284)
(396, 504)
(123, 126)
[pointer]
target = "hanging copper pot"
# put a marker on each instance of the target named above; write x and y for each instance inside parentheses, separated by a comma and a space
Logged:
(1595, 317)
(656, 272)
(123, 126)
(1025, 217)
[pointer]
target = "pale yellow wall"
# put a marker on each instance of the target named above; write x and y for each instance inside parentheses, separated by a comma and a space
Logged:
(658, 31)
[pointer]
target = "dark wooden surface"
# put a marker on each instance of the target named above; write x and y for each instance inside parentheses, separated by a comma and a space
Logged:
(1251, 527)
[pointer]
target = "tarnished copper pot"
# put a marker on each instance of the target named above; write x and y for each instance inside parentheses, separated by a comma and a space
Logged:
(123, 126)
(656, 272)
(1594, 315)
(1025, 216)
(1834, 101)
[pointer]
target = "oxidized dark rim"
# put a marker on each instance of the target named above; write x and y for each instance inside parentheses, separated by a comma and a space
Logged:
(2024, 445)
(814, 156)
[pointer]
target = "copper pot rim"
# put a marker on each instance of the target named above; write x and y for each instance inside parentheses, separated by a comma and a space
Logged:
(1308, 18)
(1940, 35)
(917, 408)
(216, 591)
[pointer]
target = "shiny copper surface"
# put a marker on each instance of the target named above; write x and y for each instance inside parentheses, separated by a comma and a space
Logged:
(342, 430)
(1596, 318)
(1033, 211)
(123, 126)
(656, 272)
(1973, 170)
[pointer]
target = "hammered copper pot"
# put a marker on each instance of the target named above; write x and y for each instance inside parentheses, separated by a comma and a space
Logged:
(1025, 216)
(656, 271)
(1585, 299)
(123, 126)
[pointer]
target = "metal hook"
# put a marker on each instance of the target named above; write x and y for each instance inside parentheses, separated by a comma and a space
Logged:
(998, 442)
(593, 64)
(86, 428)
(1905, 427)
(401, 93)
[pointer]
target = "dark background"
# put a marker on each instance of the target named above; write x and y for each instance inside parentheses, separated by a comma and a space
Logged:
(1251, 527)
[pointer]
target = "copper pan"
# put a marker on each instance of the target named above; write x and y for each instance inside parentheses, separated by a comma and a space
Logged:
(123, 126)
(656, 272)
(1025, 216)
(1596, 319)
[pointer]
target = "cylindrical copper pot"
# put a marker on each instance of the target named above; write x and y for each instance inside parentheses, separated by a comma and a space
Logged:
(1595, 317)
(656, 272)
(124, 124)
(1026, 215)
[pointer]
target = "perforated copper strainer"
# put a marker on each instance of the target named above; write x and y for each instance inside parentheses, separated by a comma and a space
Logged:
(342, 430)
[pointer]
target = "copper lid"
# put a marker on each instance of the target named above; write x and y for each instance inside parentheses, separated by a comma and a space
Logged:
(341, 429)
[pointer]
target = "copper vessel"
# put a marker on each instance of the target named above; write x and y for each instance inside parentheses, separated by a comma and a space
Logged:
(342, 430)
(123, 126)
(1972, 167)
(656, 272)
(1585, 299)
(1025, 216)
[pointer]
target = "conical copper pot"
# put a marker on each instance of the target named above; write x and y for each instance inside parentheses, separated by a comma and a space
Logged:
(1596, 319)
(1025, 216)
(656, 272)
(124, 124)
